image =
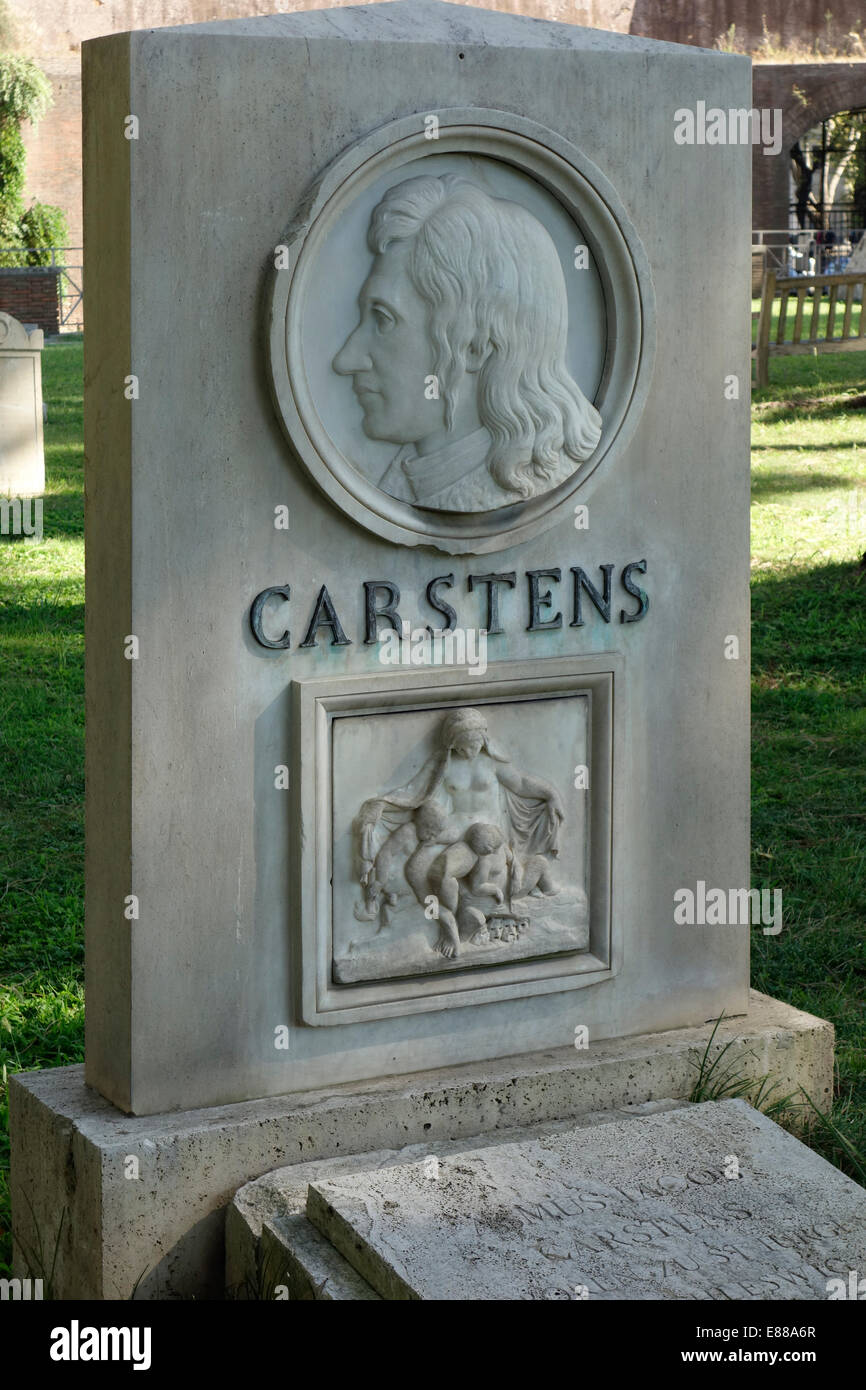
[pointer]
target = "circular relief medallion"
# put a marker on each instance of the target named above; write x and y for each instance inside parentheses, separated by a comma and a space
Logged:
(460, 331)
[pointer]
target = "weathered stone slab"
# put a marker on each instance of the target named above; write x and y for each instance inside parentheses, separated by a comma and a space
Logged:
(301, 1260)
(270, 1241)
(708, 1202)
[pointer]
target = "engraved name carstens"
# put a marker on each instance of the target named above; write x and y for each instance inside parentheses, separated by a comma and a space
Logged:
(459, 353)
(379, 599)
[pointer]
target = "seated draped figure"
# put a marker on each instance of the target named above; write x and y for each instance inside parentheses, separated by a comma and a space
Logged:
(459, 353)
(478, 838)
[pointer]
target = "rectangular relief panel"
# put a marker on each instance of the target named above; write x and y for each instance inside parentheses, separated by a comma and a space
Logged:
(460, 850)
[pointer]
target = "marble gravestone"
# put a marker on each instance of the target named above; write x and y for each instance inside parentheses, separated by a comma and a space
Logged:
(417, 536)
(417, 618)
(22, 452)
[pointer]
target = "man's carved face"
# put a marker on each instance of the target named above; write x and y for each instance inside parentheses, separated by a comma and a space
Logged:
(389, 355)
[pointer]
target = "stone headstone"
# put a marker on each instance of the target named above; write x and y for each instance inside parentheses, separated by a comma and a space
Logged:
(857, 261)
(22, 454)
(389, 334)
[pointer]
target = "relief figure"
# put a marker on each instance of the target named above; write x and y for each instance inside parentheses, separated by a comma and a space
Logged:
(470, 832)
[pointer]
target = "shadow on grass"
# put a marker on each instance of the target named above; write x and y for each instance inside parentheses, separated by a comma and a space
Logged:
(824, 602)
(831, 406)
(840, 446)
(26, 621)
(770, 483)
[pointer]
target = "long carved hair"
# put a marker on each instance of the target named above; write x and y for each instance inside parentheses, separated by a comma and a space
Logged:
(492, 278)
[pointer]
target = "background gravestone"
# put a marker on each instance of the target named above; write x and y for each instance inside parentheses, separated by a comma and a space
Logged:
(22, 454)
(246, 437)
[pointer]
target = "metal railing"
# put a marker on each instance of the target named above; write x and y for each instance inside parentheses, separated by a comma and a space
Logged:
(838, 218)
(806, 252)
(69, 262)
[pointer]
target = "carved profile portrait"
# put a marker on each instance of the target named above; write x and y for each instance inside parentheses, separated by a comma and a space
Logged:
(459, 354)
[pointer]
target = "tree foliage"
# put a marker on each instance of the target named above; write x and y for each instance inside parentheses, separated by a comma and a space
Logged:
(845, 170)
(25, 95)
(25, 92)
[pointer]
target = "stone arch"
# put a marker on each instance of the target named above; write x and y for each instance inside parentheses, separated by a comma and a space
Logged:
(806, 94)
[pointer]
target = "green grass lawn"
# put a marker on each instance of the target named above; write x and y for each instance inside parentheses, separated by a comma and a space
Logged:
(42, 764)
(808, 735)
(809, 703)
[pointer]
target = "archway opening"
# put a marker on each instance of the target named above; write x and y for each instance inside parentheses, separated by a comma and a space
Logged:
(827, 210)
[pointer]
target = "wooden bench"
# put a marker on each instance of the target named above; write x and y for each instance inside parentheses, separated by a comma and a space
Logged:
(759, 269)
(798, 286)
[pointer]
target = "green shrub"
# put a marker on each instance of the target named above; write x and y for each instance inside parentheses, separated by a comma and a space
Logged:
(43, 225)
(25, 95)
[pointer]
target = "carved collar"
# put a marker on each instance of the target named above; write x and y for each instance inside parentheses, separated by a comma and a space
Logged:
(429, 475)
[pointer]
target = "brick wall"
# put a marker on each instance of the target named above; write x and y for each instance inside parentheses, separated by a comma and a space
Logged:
(701, 22)
(52, 31)
(30, 295)
(806, 94)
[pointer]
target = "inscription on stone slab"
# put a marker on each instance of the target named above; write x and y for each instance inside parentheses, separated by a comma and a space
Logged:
(636, 1209)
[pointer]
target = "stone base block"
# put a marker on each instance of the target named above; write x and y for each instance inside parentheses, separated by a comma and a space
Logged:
(144, 1198)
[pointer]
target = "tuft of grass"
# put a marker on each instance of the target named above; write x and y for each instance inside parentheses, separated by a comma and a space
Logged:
(39, 1264)
(723, 1075)
(834, 1141)
(271, 1273)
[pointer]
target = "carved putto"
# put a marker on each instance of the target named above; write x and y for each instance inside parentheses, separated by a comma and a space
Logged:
(459, 355)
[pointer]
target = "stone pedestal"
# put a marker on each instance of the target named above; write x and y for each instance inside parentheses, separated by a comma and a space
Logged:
(148, 1196)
